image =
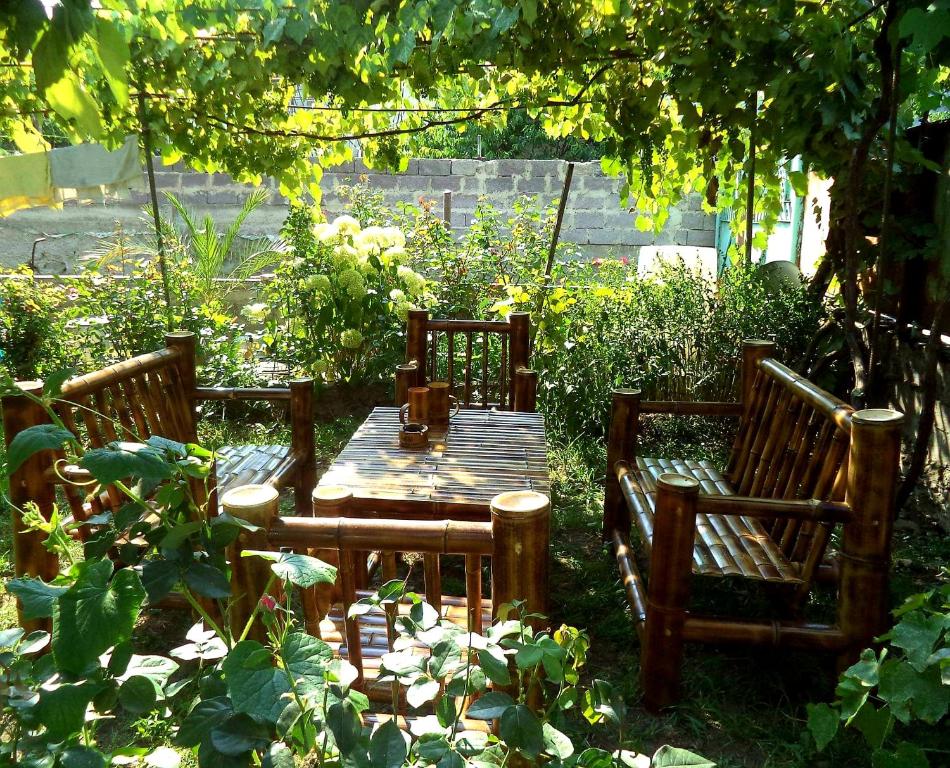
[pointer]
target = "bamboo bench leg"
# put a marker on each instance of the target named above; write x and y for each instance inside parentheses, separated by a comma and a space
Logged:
(621, 446)
(873, 474)
(670, 575)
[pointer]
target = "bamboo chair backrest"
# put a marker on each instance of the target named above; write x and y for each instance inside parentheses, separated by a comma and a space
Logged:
(129, 401)
(792, 443)
(478, 358)
(368, 637)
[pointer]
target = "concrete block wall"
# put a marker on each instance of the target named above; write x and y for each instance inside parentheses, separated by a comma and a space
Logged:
(593, 219)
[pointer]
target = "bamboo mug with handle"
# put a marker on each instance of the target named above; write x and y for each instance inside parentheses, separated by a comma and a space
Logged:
(442, 405)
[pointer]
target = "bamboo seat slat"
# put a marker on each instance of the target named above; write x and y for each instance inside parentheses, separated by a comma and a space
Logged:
(725, 545)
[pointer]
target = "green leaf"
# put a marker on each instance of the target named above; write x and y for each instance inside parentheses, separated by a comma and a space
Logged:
(344, 723)
(138, 694)
(206, 715)
(255, 686)
(917, 634)
(82, 757)
(875, 724)
(520, 729)
(53, 382)
(495, 667)
(70, 101)
(63, 709)
(422, 691)
(37, 598)
(121, 460)
(387, 747)
(822, 723)
(306, 657)
(905, 756)
(10, 637)
(490, 706)
(239, 735)
(159, 577)
(278, 756)
(906, 690)
(207, 580)
(112, 50)
(556, 743)
(301, 570)
(95, 614)
(674, 757)
(32, 440)
(178, 534)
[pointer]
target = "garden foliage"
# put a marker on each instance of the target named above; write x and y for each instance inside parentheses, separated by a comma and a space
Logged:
(899, 696)
(235, 701)
(335, 307)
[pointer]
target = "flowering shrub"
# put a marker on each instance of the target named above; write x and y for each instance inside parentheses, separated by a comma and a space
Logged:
(334, 309)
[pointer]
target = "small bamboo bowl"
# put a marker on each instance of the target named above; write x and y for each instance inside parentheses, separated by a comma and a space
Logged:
(413, 436)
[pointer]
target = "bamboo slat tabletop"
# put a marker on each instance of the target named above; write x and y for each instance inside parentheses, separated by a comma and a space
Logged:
(484, 453)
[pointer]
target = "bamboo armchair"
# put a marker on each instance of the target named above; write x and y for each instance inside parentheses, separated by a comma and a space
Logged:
(515, 541)
(505, 380)
(152, 394)
(802, 463)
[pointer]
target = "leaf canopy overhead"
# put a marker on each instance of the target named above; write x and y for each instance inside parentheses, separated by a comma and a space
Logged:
(670, 89)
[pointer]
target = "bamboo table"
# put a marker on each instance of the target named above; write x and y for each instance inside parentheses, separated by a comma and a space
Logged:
(482, 454)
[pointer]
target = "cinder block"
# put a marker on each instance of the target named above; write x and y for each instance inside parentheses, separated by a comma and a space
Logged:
(531, 185)
(165, 180)
(680, 236)
(221, 180)
(465, 201)
(589, 219)
(452, 183)
(235, 197)
(195, 180)
(344, 167)
(499, 185)
(587, 169)
(633, 236)
(579, 236)
(434, 166)
(465, 167)
(460, 219)
(695, 201)
(511, 167)
(702, 238)
(384, 181)
(694, 220)
(557, 168)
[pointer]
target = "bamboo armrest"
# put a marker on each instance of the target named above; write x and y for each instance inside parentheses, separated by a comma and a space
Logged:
(242, 393)
(750, 506)
(685, 407)
(743, 506)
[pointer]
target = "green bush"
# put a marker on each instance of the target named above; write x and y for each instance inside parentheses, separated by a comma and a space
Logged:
(897, 698)
(33, 335)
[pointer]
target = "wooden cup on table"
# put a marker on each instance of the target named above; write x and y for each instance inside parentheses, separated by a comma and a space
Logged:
(416, 411)
(441, 405)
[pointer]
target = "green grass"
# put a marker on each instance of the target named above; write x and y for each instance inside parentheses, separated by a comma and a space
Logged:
(741, 707)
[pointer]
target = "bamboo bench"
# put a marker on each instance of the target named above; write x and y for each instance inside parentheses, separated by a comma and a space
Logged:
(515, 542)
(152, 394)
(500, 348)
(802, 463)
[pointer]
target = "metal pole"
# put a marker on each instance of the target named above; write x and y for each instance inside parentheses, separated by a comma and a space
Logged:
(162, 264)
(560, 218)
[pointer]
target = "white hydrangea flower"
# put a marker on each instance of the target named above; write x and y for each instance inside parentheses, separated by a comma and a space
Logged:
(346, 225)
(351, 338)
(255, 312)
(397, 296)
(324, 232)
(394, 255)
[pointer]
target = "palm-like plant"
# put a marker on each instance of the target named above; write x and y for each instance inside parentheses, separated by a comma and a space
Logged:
(207, 252)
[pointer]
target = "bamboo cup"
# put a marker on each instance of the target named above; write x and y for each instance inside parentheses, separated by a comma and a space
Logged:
(416, 411)
(442, 405)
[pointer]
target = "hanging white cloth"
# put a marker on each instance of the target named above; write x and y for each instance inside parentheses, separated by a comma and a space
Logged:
(91, 172)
